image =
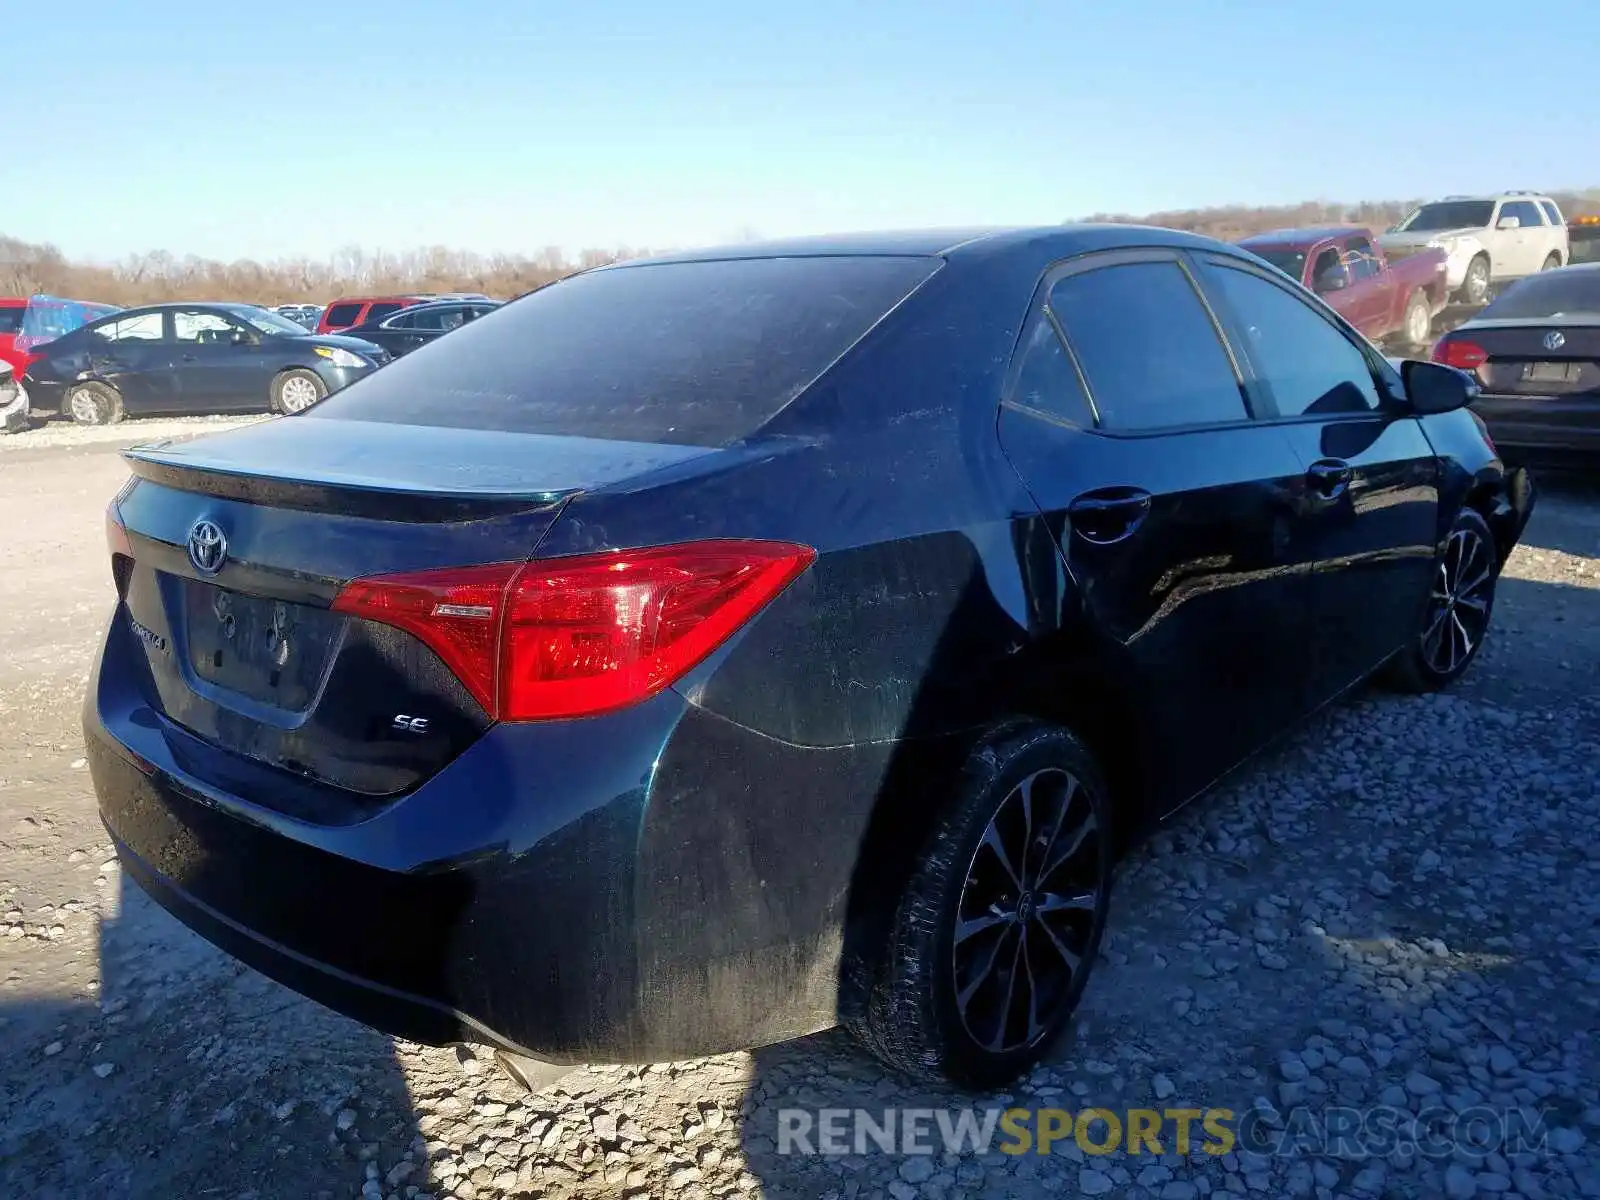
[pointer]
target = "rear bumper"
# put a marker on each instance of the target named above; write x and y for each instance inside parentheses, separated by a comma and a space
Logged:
(647, 886)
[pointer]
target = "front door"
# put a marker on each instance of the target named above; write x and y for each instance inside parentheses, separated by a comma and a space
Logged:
(1174, 511)
(1370, 525)
(219, 361)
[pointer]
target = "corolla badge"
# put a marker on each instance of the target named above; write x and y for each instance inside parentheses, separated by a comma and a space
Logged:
(208, 547)
(1554, 340)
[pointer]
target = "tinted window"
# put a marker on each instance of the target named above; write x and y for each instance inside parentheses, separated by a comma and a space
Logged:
(343, 314)
(1552, 212)
(1310, 366)
(401, 320)
(379, 311)
(1449, 214)
(1148, 347)
(691, 353)
(1291, 262)
(1549, 294)
(143, 327)
(1046, 380)
(11, 319)
(432, 318)
(1525, 211)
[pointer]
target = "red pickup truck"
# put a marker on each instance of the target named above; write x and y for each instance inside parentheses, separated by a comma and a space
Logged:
(1384, 298)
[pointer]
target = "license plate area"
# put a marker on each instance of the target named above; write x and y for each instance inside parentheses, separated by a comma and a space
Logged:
(269, 650)
(1551, 372)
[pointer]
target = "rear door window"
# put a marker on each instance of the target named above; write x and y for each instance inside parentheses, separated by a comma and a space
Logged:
(11, 319)
(688, 353)
(1047, 382)
(342, 314)
(140, 327)
(379, 311)
(1149, 349)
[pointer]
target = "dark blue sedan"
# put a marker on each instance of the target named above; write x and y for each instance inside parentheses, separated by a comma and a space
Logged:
(700, 652)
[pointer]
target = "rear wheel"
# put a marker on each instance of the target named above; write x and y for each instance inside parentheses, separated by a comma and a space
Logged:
(93, 403)
(297, 390)
(1475, 287)
(1551, 261)
(1002, 920)
(1418, 322)
(1456, 619)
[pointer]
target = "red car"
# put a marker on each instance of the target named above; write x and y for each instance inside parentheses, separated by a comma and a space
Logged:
(353, 310)
(26, 322)
(1380, 296)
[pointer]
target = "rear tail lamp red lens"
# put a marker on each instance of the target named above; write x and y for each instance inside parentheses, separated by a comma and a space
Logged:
(572, 637)
(1455, 352)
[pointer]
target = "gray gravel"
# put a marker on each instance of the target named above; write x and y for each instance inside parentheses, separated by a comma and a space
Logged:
(1397, 909)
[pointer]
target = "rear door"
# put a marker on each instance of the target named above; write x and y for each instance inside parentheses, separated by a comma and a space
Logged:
(220, 364)
(340, 316)
(1371, 516)
(134, 353)
(1175, 510)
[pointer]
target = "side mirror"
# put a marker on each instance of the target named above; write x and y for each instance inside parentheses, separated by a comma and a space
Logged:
(1435, 388)
(1334, 279)
(1509, 223)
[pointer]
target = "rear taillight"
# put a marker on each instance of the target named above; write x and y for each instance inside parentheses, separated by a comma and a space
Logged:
(571, 637)
(1455, 352)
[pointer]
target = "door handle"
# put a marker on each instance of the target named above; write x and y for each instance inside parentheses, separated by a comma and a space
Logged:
(1109, 515)
(1329, 478)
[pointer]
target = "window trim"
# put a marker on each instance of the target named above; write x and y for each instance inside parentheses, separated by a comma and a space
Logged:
(94, 327)
(1384, 380)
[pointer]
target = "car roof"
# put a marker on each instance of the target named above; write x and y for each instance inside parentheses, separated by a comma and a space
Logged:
(1047, 242)
(1301, 237)
(1491, 196)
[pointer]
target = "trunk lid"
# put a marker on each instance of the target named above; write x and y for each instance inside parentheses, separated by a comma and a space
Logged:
(236, 545)
(1522, 362)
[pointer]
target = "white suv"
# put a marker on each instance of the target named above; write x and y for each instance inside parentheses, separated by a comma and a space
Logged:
(1489, 239)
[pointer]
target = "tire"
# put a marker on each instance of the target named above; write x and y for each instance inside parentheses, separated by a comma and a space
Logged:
(1551, 261)
(296, 390)
(937, 1009)
(1456, 617)
(1475, 286)
(1417, 323)
(92, 403)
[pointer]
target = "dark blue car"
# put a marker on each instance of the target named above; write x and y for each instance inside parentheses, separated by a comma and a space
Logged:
(701, 652)
(193, 358)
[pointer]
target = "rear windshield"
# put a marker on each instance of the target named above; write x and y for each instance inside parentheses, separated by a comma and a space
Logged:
(691, 353)
(343, 314)
(1291, 262)
(1552, 294)
(11, 319)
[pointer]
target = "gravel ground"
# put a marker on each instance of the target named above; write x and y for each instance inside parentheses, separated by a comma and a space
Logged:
(57, 434)
(1398, 908)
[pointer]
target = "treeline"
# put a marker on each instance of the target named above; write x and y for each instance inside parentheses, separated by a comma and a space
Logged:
(27, 268)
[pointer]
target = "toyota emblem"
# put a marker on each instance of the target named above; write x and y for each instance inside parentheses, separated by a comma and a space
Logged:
(1554, 340)
(208, 548)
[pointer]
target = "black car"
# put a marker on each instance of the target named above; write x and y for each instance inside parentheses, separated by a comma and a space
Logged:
(404, 331)
(182, 358)
(1536, 354)
(771, 638)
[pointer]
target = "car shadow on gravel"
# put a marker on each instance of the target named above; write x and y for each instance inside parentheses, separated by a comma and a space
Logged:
(192, 1075)
(1317, 937)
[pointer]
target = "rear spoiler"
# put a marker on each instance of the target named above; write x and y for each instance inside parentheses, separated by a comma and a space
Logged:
(331, 494)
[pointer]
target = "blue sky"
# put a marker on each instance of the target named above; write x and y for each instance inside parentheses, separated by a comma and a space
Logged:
(290, 127)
